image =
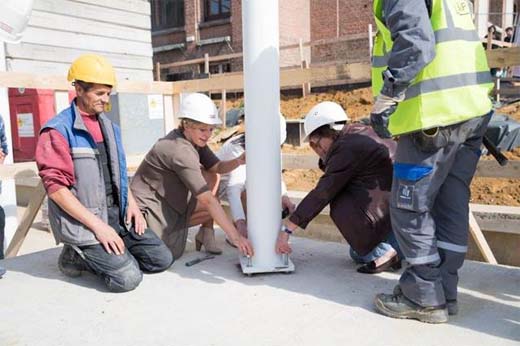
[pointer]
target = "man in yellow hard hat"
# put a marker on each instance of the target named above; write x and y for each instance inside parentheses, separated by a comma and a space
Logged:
(83, 168)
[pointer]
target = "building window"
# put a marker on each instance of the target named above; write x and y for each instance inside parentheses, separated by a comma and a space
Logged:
(217, 9)
(167, 14)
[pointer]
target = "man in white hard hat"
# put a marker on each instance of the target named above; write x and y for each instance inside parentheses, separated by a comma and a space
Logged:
(232, 187)
(357, 179)
(176, 182)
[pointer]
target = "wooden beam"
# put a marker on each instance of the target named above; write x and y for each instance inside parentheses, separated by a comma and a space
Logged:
(55, 82)
(491, 169)
(158, 72)
(10, 171)
(503, 57)
(485, 168)
(286, 47)
(27, 220)
(480, 240)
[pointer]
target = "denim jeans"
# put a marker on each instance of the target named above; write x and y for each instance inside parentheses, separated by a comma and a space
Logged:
(383, 247)
(122, 273)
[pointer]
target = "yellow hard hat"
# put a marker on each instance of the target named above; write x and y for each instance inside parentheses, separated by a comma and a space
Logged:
(92, 68)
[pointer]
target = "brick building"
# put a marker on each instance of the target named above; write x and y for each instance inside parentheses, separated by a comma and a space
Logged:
(338, 29)
(188, 29)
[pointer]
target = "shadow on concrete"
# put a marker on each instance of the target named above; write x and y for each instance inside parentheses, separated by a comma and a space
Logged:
(328, 273)
(44, 264)
(487, 299)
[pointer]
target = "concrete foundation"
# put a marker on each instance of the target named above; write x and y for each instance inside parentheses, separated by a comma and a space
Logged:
(325, 302)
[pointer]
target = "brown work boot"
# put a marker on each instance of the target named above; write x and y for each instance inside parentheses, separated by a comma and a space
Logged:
(70, 263)
(396, 305)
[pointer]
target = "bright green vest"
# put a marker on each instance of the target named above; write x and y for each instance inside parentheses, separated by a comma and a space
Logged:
(454, 86)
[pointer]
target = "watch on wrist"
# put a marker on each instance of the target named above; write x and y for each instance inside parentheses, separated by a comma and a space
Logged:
(286, 230)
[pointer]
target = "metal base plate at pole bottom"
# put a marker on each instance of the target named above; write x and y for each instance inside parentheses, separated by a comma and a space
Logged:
(249, 268)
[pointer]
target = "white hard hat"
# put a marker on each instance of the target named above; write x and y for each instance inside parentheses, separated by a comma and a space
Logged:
(283, 129)
(324, 113)
(199, 107)
(14, 16)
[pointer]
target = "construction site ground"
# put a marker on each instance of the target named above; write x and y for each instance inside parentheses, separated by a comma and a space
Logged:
(358, 104)
(324, 302)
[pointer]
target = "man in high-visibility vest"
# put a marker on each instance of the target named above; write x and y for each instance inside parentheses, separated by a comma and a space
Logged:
(431, 81)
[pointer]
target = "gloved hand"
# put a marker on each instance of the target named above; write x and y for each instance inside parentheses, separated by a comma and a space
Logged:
(383, 108)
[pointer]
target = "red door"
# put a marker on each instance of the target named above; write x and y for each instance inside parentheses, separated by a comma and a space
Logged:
(24, 130)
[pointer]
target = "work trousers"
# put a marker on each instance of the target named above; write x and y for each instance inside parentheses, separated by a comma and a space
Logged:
(429, 207)
(122, 273)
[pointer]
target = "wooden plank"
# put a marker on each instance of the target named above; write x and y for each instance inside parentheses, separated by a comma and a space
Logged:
(507, 91)
(357, 72)
(503, 57)
(137, 6)
(223, 108)
(51, 68)
(286, 47)
(480, 240)
(62, 22)
(92, 11)
(169, 118)
(27, 221)
(86, 42)
(59, 82)
(10, 171)
(294, 161)
(36, 52)
(202, 60)
(491, 169)
(485, 168)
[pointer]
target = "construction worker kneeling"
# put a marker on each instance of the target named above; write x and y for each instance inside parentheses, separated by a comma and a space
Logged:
(357, 179)
(91, 210)
(178, 178)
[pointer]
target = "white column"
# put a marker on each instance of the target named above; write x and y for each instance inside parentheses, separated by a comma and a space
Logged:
(481, 17)
(262, 106)
(508, 9)
(8, 195)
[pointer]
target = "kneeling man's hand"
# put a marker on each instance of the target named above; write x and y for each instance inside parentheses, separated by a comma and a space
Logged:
(110, 240)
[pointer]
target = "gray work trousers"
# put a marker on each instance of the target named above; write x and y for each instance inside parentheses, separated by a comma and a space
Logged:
(122, 273)
(429, 207)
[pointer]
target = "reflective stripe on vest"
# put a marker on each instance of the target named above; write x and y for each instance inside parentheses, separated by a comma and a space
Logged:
(454, 86)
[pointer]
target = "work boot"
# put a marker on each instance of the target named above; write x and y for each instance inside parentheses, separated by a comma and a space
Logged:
(453, 307)
(206, 237)
(70, 263)
(398, 306)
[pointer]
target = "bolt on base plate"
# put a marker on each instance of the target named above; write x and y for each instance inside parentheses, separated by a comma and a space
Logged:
(285, 266)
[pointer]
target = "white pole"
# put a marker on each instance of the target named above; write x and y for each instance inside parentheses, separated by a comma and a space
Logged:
(262, 106)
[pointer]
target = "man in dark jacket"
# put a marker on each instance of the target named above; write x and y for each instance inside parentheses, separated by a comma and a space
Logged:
(357, 180)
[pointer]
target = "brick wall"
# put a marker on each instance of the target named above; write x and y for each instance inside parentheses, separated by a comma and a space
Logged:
(333, 18)
(294, 24)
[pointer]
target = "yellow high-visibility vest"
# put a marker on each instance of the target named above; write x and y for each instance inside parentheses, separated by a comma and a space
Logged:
(454, 86)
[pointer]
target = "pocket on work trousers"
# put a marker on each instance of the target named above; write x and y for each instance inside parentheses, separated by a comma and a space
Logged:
(410, 187)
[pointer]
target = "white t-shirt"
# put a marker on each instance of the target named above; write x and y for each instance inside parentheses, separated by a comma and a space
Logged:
(232, 184)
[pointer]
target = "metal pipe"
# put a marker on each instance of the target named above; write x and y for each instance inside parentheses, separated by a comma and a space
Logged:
(262, 107)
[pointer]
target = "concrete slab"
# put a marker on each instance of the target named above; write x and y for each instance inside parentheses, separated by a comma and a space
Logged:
(324, 302)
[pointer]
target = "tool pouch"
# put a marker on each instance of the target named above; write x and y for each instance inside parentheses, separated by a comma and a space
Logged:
(431, 140)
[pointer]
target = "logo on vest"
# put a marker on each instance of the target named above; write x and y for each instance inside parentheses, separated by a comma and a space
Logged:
(462, 7)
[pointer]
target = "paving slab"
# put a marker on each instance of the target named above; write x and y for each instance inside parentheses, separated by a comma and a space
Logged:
(324, 302)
